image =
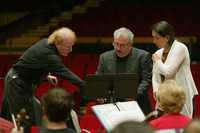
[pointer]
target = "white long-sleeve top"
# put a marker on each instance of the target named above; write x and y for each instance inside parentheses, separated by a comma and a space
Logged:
(176, 66)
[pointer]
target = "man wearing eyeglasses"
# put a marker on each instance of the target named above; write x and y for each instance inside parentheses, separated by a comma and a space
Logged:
(127, 59)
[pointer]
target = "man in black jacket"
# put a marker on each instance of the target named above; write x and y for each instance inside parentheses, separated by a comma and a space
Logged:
(127, 59)
(36, 63)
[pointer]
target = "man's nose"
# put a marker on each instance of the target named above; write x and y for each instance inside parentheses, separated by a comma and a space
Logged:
(118, 48)
(154, 41)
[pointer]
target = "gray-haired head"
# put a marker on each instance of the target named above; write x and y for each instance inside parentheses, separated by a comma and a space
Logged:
(124, 32)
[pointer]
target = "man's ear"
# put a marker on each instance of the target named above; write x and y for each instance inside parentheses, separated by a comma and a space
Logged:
(167, 37)
(113, 44)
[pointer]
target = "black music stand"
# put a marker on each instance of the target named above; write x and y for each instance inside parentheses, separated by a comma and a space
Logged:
(111, 86)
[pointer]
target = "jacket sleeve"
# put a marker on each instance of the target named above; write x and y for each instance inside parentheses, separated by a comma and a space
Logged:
(100, 69)
(146, 73)
(55, 65)
(171, 66)
(156, 80)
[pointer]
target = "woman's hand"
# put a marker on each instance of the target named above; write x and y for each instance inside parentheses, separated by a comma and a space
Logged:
(155, 57)
(155, 96)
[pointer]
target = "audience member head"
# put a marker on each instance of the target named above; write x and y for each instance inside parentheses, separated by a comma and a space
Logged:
(57, 104)
(193, 126)
(171, 97)
(163, 34)
(123, 40)
(132, 127)
(63, 38)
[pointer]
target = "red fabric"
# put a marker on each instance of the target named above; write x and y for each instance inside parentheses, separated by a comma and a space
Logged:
(92, 66)
(151, 98)
(195, 68)
(5, 126)
(196, 76)
(91, 123)
(79, 64)
(35, 129)
(42, 88)
(89, 107)
(197, 106)
(68, 86)
(170, 121)
(1, 91)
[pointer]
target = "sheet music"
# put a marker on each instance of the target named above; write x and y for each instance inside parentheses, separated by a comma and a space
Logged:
(102, 111)
(133, 108)
(110, 115)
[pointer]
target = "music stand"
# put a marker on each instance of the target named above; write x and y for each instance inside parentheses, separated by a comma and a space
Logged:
(125, 86)
(111, 86)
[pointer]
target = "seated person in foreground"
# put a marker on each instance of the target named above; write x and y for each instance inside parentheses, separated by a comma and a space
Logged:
(57, 105)
(193, 126)
(132, 127)
(171, 99)
(5, 126)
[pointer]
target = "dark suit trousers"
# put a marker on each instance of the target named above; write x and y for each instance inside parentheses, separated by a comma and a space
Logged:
(19, 95)
(144, 103)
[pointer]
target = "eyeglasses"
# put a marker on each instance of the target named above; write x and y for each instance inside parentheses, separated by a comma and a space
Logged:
(122, 46)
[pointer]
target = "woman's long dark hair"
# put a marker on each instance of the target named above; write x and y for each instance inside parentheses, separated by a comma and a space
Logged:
(164, 29)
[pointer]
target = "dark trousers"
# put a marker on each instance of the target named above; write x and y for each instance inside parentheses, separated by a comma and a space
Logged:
(18, 96)
(144, 103)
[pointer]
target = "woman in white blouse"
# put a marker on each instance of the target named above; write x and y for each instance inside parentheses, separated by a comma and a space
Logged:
(172, 61)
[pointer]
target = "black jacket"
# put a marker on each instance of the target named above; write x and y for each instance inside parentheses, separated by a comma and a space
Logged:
(39, 60)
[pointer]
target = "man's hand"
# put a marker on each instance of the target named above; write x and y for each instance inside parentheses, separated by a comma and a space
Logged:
(52, 79)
